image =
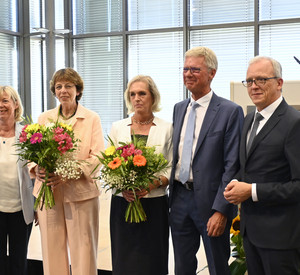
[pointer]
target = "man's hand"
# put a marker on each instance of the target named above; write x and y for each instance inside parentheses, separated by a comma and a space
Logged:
(216, 224)
(237, 191)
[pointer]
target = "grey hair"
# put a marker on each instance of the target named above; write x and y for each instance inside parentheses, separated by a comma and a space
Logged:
(276, 65)
(210, 57)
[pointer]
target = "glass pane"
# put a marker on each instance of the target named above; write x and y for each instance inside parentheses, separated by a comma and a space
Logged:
(91, 16)
(59, 15)
(36, 76)
(60, 53)
(273, 42)
(278, 9)
(36, 14)
(160, 56)
(234, 47)
(154, 14)
(206, 12)
(102, 72)
(8, 15)
(9, 69)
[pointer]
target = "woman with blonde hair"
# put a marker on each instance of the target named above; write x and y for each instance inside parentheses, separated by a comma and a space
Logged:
(16, 199)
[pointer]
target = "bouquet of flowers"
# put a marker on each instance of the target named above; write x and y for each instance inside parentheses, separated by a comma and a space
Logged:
(238, 266)
(52, 147)
(132, 166)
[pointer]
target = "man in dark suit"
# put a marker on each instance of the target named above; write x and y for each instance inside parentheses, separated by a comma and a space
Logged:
(269, 176)
(197, 204)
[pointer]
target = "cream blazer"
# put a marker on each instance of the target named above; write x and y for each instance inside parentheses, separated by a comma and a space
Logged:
(87, 127)
(159, 136)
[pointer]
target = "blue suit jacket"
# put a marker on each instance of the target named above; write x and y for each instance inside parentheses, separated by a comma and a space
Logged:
(216, 157)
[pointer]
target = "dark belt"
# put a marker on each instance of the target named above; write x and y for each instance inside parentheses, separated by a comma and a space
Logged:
(187, 185)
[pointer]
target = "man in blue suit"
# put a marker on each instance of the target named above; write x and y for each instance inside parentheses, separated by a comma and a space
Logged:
(197, 205)
(269, 176)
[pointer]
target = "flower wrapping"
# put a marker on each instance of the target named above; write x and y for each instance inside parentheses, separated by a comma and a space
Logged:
(52, 147)
(131, 166)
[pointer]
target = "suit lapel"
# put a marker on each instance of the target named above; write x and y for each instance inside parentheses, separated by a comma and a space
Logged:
(178, 121)
(247, 125)
(267, 128)
(210, 115)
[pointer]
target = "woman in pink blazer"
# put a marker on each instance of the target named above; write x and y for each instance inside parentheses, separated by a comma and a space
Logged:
(73, 222)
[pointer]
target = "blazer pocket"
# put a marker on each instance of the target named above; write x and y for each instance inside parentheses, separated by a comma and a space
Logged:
(214, 134)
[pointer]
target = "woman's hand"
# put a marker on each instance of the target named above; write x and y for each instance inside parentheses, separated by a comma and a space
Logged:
(53, 180)
(129, 195)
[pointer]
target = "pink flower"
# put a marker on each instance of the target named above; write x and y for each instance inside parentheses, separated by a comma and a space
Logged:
(23, 137)
(36, 137)
(138, 152)
(24, 128)
(64, 141)
(58, 130)
(129, 151)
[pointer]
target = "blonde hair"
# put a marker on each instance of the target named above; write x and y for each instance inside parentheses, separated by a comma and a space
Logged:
(152, 89)
(12, 93)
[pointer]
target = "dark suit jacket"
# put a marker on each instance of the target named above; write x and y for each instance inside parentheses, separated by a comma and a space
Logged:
(216, 157)
(274, 164)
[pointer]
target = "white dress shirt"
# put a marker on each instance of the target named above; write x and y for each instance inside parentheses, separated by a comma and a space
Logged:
(200, 114)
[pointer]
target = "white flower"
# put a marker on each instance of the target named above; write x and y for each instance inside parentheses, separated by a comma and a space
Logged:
(68, 168)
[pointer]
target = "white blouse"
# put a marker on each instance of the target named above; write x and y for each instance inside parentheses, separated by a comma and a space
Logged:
(10, 198)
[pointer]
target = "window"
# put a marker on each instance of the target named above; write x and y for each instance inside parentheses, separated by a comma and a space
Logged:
(154, 14)
(99, 61)
(111, 41)
(9, 60)
(160, 56)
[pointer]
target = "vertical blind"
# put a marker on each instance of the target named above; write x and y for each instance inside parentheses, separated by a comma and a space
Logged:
(99, 61)
(91, 16)
(8, 15)
(154, 14)
(9, 60)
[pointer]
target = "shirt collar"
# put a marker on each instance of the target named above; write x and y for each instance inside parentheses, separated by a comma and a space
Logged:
(268, 111)
(204, 100)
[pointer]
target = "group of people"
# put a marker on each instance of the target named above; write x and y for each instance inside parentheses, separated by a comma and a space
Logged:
(217, 160)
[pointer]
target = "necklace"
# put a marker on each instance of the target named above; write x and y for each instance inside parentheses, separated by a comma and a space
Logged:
(143, 122)
(66, 118)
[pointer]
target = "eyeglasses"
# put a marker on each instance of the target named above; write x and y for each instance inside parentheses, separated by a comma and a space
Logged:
(193, 70)
(67, 87)
(258, 81)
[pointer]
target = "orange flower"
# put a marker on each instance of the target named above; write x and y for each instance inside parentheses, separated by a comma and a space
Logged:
(115, 163)
(139, 160)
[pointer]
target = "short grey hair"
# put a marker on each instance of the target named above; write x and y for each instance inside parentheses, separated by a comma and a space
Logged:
(210, 57)
(277, 69)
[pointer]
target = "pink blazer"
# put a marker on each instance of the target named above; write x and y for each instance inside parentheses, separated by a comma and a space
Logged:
(87, 127)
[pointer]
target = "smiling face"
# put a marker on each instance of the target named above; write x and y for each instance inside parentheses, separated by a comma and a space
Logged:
(7, 108)
(66, 92)
(141, 98)
(264, 95)
(198, 82)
